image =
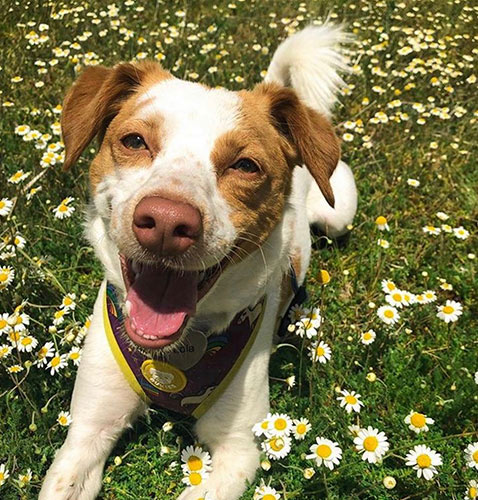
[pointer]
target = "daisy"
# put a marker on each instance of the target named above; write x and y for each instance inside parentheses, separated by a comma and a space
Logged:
(471, 455)
(19, 321)
(408, 298)
(307, 327)
(64, 418)
(15, 369)
(372, 444)
(461, 233)
(276, 447)
(5, 206)
(4, 474)
(194, 478)
(325, 452)
(280, 425)
(442, 216)
(354, 430)
(388, 286)
(301, 427)
(472, 490)
(18, 177)
(56, 363)
(75, 355)
(4, 326)
(14, 337)
(413, 182)
(47, 351)
(431, 230)
(195, 459)
(5, 350)
(263, 492)
(319, 352)
(25, 478)
(58, 317)
(430, 296)
(351, 401)
(7, 273)
(68, 301)
(381, 223)
(446, 228)
(450, 311)
(64, 209)
(297, 312)
(368, 337)
(27, 343)
(315, 316)
(262, 427)
(388, 314)
(395, 298)
(383, 243)
(424, 460)
(418, 422)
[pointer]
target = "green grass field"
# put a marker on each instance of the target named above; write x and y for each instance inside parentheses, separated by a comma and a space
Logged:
(408, 111)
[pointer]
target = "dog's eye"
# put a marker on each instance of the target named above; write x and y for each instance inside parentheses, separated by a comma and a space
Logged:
(134, 141)
(245, 165)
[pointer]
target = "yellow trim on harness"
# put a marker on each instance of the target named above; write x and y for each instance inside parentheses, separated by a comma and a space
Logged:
(129, 375)
(210, 400)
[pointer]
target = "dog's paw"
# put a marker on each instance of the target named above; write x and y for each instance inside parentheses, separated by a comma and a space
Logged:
(64, 481)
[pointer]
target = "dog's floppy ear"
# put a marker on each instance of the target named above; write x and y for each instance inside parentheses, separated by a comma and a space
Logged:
(310, 134)
(93, 101)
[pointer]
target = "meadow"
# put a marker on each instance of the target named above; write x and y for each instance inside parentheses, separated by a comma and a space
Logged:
(407, 116)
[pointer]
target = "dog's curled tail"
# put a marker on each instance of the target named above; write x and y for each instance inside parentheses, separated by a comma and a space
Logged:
(309, 62)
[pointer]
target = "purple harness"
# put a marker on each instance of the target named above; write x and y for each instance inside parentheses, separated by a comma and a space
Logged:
(191, 378)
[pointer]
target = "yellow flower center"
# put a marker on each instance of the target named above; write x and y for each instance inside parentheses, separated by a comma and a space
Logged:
(448, 309)
(367, 336)
(74, 355)
(26, 341)
(62, 208)
(194, 463)
(475, 456)
(301, 429)
(268, 497)
(195, 478)
(280, 424)
(351, 400)
(3, 323)
(3, 276)
(55, 361)
(319, 351)
(2, 476)
(324, 276)
(370, 443)
(429, 295)
(388, 313)
(472, 492)
(276, 444)
(380, 220)
(397, 297)
(19, 320)
(323, 451)
(42, 352)
(424, 461)
(67, 301)
(62, 420)
(2, 204)
(59, 314)
(418, 420)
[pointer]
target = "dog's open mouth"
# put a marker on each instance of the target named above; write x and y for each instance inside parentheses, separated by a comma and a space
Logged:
(160, 300)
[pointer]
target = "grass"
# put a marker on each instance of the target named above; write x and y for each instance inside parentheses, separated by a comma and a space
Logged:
(419, 364)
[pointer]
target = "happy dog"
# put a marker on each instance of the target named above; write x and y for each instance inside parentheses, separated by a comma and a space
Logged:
(200, 215)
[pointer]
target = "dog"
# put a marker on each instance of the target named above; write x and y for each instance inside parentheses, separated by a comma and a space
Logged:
(201, 205)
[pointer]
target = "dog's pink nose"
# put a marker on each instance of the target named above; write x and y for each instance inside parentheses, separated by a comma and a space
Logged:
(166, 227)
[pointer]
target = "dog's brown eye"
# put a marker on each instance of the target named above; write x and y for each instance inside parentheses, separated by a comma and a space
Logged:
(245, 165)
(134, 141)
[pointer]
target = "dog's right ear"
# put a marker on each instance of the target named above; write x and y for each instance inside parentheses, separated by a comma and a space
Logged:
(94, 100)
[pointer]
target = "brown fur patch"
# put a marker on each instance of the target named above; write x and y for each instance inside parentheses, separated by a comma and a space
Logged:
(96, 98)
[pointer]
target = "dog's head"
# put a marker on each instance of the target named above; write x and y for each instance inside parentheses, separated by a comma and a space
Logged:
(187, 179)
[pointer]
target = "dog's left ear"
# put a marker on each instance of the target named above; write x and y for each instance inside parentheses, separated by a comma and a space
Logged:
(94, 100)
(310, 134)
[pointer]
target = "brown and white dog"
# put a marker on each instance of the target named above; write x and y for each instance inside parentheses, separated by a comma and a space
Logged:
(190, 178)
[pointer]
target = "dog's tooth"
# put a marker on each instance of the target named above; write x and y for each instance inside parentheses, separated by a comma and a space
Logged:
(128, 307)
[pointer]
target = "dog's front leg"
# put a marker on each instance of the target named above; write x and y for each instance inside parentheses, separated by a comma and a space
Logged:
(226, 428)
(103, 405)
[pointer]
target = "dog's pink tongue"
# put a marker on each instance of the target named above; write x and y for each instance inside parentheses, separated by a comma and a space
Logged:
(160, 300)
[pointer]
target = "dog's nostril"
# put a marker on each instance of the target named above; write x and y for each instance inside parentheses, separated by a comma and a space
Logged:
(183, 231)
(145, 222)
